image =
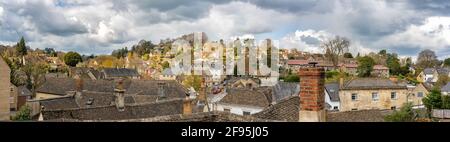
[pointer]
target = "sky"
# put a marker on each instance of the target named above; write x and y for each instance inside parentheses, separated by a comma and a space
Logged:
(97, 27)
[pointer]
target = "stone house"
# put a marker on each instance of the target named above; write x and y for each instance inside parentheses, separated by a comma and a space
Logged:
(5, 90)
(372, 93)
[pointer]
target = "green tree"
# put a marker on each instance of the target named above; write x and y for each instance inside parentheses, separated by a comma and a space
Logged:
(72, 59)
(165, 65)
(23, 114)
(292, 78)
(348, 55)
(365, 66)
(382, 52)
(21, 48)
(405, 114)
(393, 63)
(433, 100)
(447, 62)
(192, 81)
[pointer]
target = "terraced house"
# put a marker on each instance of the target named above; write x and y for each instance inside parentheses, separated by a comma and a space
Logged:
(372, 93)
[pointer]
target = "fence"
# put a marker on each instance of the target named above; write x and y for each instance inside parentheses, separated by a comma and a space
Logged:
(441, 113)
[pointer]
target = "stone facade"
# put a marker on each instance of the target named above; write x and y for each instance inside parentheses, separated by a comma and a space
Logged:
(365, 101)
(4, 91)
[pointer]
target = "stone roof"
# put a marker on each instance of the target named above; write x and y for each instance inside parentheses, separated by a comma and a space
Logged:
(289, 108)
(283, 90)
(57, 86)
(358, 116)
(297, 62)
(333, 90)
(286, 110)
(120, 72)
(213, 116)
(446, 88)
(245, 97)
(167, 71)
(59, 103)
(95, 99)
(171, 89)
(23, 91)
(60, 86)
(443, 71)
(428, 71)
(372, 83)
(161, 108)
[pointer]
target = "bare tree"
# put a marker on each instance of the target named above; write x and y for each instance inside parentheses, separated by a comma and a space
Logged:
(427, 59)
(35, 73)
(335, 48)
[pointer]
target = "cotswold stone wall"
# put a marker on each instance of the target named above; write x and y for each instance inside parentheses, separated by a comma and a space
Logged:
(4, 90)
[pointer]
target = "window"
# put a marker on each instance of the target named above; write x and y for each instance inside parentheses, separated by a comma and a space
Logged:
(246, 113)
(394, 95)
(375, 96)
(354, 97)
(227, 110)
(393, 108)
(420, 94)
(335, 108)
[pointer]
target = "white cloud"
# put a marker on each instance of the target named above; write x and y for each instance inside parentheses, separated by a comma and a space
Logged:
(433, 33)
(310, 40)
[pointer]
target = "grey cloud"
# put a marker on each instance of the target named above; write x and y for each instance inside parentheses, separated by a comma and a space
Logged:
(45, 19)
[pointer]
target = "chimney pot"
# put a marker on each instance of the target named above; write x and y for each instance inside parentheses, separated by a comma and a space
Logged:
(187, 106)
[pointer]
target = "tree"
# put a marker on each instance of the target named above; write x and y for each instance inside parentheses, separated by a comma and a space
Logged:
(72, 59)
(35, 73)
(192, 81)
(442, 80)
(335, 48)
(433, 100)
(165, 65)
(292, 78)
(50, 51)
(427, 59)
(21, 48)
(120, 53)
(405, 114)
(447, 62)
(393, 63)
(348, 55)
(382, 52)
(365, 66)
(23, 114)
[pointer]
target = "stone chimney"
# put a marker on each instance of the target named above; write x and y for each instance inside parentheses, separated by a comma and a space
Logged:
(79, 84)
(162, 90)
(312, 96)
(187, 106)
(119, 92)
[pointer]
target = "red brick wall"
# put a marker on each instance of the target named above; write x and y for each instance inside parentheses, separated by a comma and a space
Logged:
(312, 96)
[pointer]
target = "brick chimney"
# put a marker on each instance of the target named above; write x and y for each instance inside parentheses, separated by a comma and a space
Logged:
(312, 96)
(187, 106)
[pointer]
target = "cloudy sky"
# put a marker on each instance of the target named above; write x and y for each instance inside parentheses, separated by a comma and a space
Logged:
(86, 26)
